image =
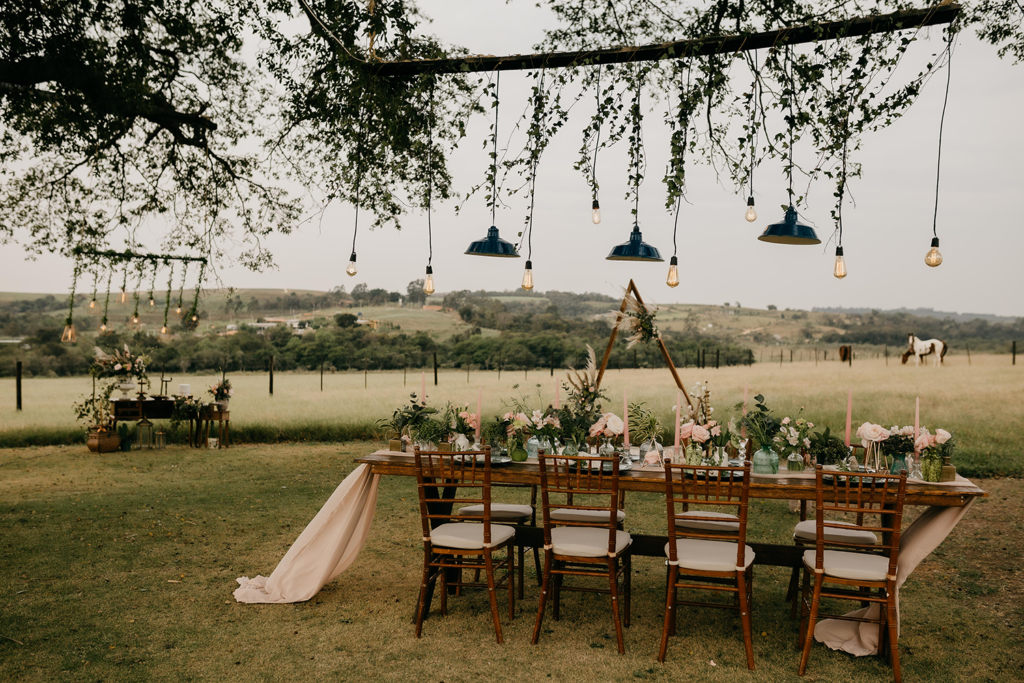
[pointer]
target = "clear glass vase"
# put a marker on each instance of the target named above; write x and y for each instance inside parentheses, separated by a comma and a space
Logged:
(571, 449)
(765, 461)
(606, 450)
(532, 446)
(649, 445)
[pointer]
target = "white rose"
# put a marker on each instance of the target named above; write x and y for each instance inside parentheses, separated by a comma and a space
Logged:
(613, 423)
(942, 436)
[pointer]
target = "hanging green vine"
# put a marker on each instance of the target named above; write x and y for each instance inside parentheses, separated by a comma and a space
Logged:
(167, 300)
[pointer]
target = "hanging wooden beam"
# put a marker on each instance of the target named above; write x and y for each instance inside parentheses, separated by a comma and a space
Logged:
(702, 47)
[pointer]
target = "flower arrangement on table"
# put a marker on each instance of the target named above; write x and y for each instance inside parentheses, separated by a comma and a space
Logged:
(547, 427)
(936, 449)
(609, 427)
(123, 365)
(458, 425)
(186, 408)
(406, 420)
(645, 429)
(762, 427)
(222, 391)
(794, 439)
(827, 449)
(518, 428)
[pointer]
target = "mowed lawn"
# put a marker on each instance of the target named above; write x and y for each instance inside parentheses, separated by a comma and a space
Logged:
(121, 567)
(983, 403)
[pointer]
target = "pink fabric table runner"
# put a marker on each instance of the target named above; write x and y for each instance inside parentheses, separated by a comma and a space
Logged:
(324, 549)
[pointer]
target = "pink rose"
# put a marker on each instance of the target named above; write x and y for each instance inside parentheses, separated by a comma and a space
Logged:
(872, 433)
(785, 420)
(686, 430)
(942, 436)
(597, 428)
(716, 431)
(924, 442)
(651, 458)
(699, 434)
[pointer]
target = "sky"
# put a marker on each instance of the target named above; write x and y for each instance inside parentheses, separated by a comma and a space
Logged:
(886, 234)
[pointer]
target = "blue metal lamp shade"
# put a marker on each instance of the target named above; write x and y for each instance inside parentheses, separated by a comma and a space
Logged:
(635, 249)
(790, 231)
(492, 245)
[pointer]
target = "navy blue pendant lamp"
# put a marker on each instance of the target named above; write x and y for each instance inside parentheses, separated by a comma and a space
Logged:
(790, 231)
(493, 245)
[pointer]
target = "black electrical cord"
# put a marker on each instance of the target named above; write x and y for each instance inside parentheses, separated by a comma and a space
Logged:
(494, 160)
(430, 174)
(942, 121)
(597, 143)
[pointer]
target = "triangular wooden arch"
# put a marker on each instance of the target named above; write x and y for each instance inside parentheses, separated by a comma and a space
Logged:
(664, 351)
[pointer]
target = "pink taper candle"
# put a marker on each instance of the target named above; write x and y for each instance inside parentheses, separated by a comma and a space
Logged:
(743, 428)
(479, 411)
(679, 400)
(625, 421)
(917, 420)
(423, 386)
(849, 415)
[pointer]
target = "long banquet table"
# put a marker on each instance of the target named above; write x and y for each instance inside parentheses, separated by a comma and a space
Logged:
(779, 487)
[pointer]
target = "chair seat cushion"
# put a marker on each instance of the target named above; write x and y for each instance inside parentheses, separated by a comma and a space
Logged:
(596, 516)
(730, 523)
(499, 511)
(849, 565)
(469, 535)
(586, 541)
(806, 531)
(709, 556)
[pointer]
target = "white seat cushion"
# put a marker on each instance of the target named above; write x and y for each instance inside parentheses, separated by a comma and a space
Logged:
(856, 566)
(732, 525)
(709, 556)
(806, 531)
(469, 535)
(586, 541)
(595, 516)
(499, 511)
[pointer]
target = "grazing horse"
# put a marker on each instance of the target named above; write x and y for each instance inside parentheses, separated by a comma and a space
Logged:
(936, 348)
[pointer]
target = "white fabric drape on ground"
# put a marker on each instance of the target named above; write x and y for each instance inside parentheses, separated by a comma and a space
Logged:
(324, 549)
(916, 543)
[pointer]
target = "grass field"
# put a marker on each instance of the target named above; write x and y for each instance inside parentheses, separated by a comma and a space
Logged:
(982, 402)
(120, 568)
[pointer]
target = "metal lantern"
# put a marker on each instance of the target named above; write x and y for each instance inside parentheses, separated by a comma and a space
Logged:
(635, 249)
(492, 245)
(790, 231)
(161, 439)
(143, 434)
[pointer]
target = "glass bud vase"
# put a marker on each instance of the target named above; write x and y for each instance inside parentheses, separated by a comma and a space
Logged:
(647, 446)
(571, 449)
(899, 463)
(516, 450)
(606, 450)
(532, 446)
(765, 461)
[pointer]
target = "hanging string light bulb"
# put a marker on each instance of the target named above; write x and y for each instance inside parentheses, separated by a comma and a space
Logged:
(95, 282)
(492, 244)
(536, 133)
(839, 269)
(152, 286)
(122, 300)
(751, 213)
(181, 291)
(167, 300)
(194, 313)
(428, 281)
(679, 169)
(351, 269)
(69, 336)
(106, 303)
(595, 211)
(133, 323)
(933, 258)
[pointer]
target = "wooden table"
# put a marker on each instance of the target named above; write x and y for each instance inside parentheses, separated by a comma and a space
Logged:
(781, 555)
(134, 409)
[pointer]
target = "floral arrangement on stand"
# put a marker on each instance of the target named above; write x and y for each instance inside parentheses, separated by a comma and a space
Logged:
(222, 392)
(583, 391)
(637, 321)
(120, 365)
(186, 408)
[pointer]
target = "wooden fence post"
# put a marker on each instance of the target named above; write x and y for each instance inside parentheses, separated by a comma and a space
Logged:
(717, 352)
(1014, 363)
(968, 347)
(435, 368)
(271, 375)
(886, 354)
(321, 375)
(850, 357)
(17, 381)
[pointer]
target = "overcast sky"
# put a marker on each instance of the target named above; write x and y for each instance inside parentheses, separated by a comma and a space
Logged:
(886, 235)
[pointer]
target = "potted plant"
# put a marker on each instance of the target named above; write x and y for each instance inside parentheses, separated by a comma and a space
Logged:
(222, 392)
(762, 428)
(645, 429)
(431, 434)
(94, 412)
(827, 449)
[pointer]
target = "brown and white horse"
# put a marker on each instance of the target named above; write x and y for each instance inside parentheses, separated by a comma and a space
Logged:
(936, 348)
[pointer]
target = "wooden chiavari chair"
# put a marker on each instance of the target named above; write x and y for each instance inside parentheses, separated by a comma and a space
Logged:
(450, 543)
(586, 547)
(865, 577)
(711, 557)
